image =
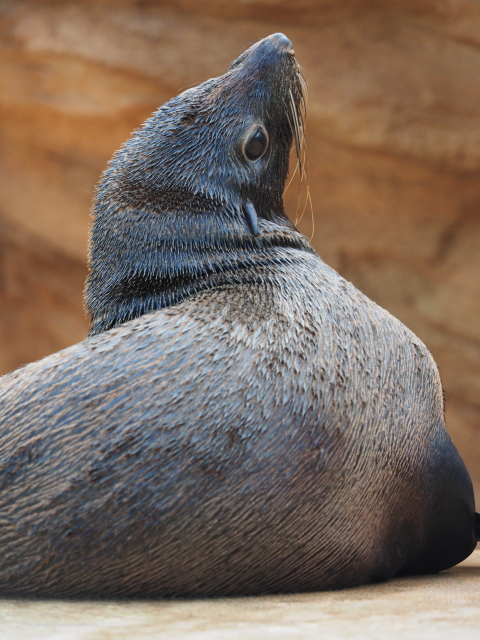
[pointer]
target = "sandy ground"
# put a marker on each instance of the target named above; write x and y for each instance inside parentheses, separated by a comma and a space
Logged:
(436, 607)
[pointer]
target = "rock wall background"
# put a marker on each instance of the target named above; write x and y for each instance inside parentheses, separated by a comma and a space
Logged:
(393, 139)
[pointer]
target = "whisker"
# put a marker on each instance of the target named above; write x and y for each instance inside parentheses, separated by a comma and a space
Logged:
(299, 164)
(296, 108)
(297, 132)
(291, 179)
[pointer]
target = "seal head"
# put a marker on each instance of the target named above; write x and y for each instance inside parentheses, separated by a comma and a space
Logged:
(195, 197)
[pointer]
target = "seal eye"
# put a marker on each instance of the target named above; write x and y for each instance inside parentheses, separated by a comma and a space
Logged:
(256, 145)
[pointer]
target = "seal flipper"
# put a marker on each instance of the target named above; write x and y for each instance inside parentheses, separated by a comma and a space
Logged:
(451, 527)
(251, 217)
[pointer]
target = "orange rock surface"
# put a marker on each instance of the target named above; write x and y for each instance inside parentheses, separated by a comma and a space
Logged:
(393, 137)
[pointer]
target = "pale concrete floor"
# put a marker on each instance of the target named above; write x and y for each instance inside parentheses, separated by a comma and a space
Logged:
(436, 607)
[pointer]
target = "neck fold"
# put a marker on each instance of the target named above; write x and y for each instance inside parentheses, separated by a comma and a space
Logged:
(156, 260)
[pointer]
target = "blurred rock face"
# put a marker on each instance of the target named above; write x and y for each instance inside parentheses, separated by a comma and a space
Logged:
(393, 136)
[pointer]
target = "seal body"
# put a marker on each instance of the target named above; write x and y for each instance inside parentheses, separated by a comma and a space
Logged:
(242, 420)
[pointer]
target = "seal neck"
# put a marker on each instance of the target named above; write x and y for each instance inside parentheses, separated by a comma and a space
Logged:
(142, 261)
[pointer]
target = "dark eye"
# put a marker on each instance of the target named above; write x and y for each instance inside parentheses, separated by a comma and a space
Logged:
(256, 144)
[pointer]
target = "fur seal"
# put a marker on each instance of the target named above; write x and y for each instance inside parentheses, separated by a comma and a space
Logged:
(241, 420)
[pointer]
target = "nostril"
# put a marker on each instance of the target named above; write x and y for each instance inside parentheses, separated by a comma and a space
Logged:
(282, 42)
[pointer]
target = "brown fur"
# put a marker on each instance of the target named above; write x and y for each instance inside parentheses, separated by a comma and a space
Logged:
(271, 430)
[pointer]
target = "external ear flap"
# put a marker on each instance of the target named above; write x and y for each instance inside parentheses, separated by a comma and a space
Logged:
(251, 216)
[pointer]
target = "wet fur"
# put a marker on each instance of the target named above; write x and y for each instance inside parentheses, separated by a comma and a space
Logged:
(263, 428)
